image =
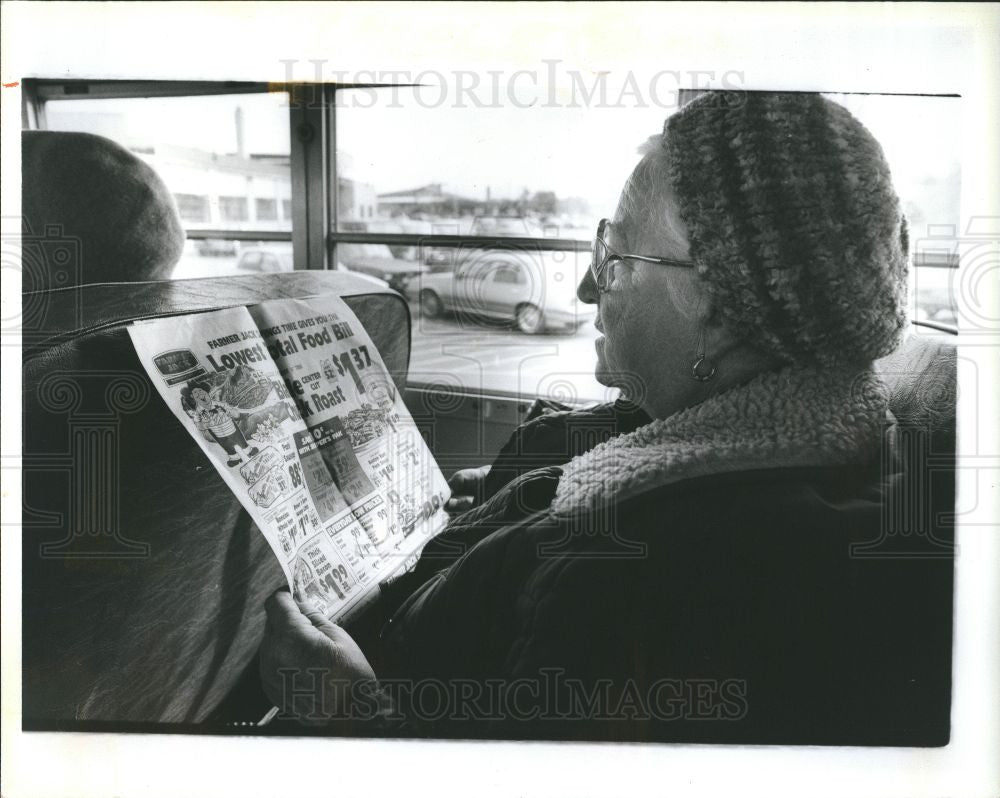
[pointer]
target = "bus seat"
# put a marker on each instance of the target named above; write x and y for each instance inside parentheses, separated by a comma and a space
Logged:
(919, 510)
(93, 212)
(144, 580)
(922, 379)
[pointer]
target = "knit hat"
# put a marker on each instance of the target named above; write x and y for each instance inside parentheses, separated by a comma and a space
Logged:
(793, 223)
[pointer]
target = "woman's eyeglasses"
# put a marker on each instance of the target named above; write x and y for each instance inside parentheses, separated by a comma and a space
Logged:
(602, 266)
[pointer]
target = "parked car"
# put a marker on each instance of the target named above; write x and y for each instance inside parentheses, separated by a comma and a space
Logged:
(377, 261)
(215, 247)
(536, 291)
(503, 226)
(278, 258)
(399, 225)
(438, 259)
(265, 259)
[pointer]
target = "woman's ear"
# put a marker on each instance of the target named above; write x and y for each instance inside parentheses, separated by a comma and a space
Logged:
(691, 299)
(716, 336)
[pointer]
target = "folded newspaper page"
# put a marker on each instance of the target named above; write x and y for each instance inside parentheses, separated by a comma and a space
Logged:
(294, 406)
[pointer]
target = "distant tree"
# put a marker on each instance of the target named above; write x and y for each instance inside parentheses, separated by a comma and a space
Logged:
(544, 202)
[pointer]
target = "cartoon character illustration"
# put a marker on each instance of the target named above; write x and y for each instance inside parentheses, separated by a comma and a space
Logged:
(216, 420)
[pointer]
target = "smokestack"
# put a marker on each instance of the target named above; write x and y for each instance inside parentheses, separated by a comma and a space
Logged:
(240, 142)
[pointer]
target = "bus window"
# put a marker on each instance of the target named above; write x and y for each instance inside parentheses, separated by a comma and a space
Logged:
(532, 182)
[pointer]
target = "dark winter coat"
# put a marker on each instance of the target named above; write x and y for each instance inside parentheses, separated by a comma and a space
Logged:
(711, 577)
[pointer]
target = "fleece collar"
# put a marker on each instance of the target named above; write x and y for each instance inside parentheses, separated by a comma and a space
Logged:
(795, 417)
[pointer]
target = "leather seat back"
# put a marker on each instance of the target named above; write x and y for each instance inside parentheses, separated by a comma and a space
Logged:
(144, 579)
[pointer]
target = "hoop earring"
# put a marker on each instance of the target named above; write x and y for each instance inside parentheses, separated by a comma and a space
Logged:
(703, 369)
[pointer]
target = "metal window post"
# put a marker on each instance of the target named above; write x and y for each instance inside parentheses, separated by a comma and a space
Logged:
(310, 165)
(332, 178)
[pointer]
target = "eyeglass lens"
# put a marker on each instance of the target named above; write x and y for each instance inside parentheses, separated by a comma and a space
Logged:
(598, 265)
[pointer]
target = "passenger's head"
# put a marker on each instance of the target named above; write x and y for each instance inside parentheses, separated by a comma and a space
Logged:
(112, 205)
(782, 207)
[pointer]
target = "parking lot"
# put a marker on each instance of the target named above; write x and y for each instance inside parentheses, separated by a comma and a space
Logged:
(491, 357)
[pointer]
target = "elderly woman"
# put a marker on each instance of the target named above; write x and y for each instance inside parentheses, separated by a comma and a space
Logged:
(690, 577)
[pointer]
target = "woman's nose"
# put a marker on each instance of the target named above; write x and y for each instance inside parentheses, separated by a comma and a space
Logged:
(586, 291)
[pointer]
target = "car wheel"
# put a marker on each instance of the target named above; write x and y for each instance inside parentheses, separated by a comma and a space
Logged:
(529, 319)
(430, 304)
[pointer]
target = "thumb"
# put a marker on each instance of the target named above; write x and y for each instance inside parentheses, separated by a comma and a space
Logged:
(316, 618)
(280, 608)
(286, 614)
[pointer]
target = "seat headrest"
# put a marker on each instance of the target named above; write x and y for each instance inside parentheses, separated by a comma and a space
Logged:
(922, 379)
(111, 205)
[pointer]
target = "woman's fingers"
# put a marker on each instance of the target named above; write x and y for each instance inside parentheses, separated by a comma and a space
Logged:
(466, 489)
(459, 504)
(467, 480)
(298, 613)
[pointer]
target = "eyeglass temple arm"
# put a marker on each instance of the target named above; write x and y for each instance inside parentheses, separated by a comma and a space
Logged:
(661, 261)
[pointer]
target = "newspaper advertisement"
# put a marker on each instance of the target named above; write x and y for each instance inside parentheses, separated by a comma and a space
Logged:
(292, 403)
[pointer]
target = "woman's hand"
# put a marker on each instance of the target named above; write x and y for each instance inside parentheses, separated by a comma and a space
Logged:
(466, 489)
(309, 666)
